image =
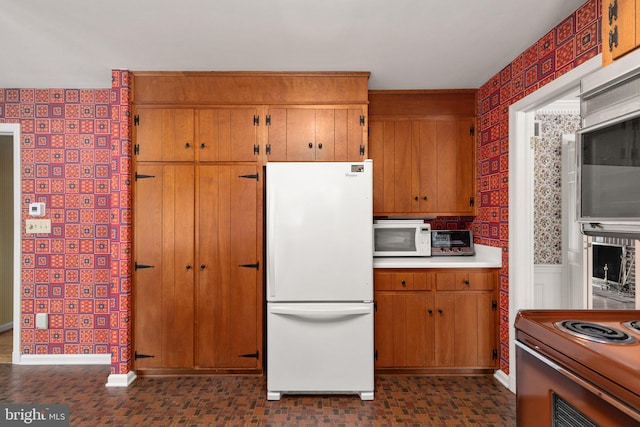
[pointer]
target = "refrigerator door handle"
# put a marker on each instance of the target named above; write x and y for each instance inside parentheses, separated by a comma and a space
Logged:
(271, 236)
(321, 312)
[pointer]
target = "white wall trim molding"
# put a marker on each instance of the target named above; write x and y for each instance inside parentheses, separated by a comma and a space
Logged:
(121, 380)
(63, 359)
(548, 290)
(503, 379)
(521, 115)
(6, 327)
(13, 130)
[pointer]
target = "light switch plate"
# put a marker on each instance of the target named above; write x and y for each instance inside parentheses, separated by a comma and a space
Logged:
(42, 321)
(40, 226)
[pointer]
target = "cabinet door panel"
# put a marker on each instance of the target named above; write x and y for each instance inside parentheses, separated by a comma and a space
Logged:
(389, 165)
(226, 134)
(419, 325)
(276, 149)
(425, 176)
(164, 227)
(384, 320)
(377, 153)
(445, 316)
(402, 166)
(349, 136)
(325, 135)
(465, 170)
(447, 165)
(227, 292)
(301, 132)
(465, 336)
(624, 25)
(486, 332)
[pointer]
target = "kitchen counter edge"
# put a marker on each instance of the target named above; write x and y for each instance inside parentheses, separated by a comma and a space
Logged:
(485, 257)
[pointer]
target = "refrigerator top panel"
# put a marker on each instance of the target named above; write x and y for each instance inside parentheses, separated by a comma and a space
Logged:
(319, 231)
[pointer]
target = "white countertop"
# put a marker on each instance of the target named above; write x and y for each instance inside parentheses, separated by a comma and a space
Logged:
(485, 257)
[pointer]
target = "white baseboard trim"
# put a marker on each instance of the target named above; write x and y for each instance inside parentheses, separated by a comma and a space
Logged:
(121, 380)
(6, 326)
(62, 359)
(502, 379)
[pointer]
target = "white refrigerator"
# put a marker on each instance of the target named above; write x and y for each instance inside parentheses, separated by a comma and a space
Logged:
(319, 285)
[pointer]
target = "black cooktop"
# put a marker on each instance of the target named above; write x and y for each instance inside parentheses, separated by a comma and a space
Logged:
(596, 331)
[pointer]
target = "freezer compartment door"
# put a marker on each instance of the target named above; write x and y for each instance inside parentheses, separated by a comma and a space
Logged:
(320, 348)
(319, 231)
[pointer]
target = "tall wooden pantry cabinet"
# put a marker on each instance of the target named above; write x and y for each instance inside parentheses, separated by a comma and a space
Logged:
(200, 142)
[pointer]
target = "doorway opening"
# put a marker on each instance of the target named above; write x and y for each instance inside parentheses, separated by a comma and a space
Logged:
(10, 242)
(521, 184)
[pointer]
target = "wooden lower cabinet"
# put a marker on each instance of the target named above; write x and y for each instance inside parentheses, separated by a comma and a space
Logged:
(436, 330)
(197, 282)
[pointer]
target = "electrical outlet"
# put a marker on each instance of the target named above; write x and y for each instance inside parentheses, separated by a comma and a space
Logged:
(38, 226)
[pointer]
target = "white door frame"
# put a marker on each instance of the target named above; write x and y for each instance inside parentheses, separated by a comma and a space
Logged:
(13, 130)
(521, 115)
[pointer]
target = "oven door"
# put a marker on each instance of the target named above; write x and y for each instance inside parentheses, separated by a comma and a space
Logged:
(548, 394)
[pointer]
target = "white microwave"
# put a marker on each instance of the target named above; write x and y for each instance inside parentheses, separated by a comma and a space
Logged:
(401, 238)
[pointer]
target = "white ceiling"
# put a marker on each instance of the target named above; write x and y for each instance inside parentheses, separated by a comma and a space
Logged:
(405, 44)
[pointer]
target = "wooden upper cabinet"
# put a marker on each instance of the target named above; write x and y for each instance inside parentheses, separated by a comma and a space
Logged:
(315, 134)
(619, 28)
(423, 166)
(164, 134)
(227, 134)
(186, 134)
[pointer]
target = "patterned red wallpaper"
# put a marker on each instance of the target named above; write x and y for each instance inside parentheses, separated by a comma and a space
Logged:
(569, 44)
(74, 151)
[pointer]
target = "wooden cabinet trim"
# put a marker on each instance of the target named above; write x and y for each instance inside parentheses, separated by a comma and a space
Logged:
(189, 87)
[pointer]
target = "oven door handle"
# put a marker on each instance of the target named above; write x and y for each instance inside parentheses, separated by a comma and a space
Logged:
(535, 352)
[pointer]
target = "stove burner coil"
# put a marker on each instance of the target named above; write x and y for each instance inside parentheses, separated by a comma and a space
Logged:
(595, 332)
(634, 325)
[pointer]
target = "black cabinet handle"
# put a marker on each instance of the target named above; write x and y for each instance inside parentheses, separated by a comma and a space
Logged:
(416, 198)
(466, 282)
(202, 145)
(403, 283)
(311, 145)
(424, 197)
(430, 311)
(187, 145)
(188, 267)
(440, 310)
(320, 145)
(202, 266)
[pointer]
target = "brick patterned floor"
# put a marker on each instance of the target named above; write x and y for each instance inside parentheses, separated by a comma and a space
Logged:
(241, 401)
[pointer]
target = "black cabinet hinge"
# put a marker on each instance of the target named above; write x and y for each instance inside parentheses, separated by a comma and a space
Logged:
(256, 149)
(267, 120)
(254, 176)
(362, 150)
(267, 149)
(494, 305)
(494, 354)
(256, 120)
(142, 356)
(140, 176)
(255, 355)
(142, 266)
(136, 120)
(472, 131)
(361, 120)
(472, 201)
(256, 265)
(136, 149)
